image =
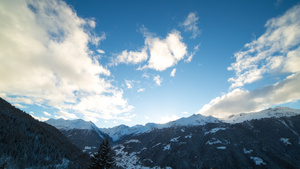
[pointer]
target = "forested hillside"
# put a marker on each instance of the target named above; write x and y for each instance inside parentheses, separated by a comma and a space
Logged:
(26, 142)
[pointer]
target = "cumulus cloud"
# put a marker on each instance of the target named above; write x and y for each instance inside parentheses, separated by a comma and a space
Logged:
(165, 53)
(46, 60)
(159, 53)
(276, 51)
(190, 24)
(173, 72)
(158, 80)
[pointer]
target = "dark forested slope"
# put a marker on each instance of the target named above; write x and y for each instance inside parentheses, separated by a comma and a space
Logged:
(26, 142)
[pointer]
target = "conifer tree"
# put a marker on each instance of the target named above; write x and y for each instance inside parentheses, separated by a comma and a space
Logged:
(104, 158)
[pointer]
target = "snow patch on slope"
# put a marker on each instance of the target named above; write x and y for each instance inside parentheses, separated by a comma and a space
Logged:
(285, 141)
(214, 130)
(258, 161)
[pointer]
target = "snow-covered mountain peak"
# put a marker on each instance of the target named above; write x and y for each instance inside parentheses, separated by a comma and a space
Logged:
(276, 112)
(119, 131)
(194, 120)
(62, 124)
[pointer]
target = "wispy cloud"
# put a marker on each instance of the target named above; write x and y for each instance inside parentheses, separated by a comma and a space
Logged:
(166, 119)
(276, 51)
(192, 54)
(158, 80)
(49, 44)
(141, 90)
(47, 114)
(65, 115)
(38, 118)
(128, 84)
(100, 51)
(190, 24)
(173, 72)
(131, 57)
(19, 106)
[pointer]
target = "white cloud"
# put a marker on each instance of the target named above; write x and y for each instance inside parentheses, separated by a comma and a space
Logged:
(39, 118)
(173, 72)
(19, 106)
(277, 50)
(243, 101)
(165, 53)
(65, 115)
(100, 51)
(158, 80)
(166, 119)
(141, 90)
(146, 117)
(192, 54)
(190, 24)
(185, 112)
(128, 84)
(161, 53)
(47, 114)
(145, 75)
(46, 60)
(132, 57)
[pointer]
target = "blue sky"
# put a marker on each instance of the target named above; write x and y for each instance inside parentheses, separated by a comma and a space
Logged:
(133, 62)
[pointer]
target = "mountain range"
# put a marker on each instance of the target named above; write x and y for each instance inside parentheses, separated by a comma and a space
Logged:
(265, 139)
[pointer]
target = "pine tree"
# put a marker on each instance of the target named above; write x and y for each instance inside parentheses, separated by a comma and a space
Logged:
(104, 158)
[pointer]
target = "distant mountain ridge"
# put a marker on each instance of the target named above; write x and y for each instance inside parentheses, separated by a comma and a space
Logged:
(258, 143)
(276, 112)
(116, 133)
(71, 124)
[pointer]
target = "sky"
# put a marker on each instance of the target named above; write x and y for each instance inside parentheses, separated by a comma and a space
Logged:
(133, 62)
